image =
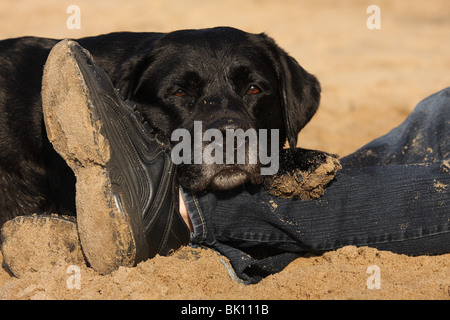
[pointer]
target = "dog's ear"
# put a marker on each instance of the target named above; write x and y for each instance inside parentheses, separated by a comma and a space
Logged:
(132, 71)
(299, 92)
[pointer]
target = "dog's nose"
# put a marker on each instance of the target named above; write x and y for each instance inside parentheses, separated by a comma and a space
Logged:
(237, 139)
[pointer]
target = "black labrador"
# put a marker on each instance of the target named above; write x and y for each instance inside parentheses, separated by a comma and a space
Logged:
(223, 77)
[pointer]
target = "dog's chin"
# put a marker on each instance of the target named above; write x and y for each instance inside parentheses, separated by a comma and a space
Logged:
(226, 180)
(198, 178)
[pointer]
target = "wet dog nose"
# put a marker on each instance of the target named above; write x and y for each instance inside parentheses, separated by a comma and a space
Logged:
(237, 139)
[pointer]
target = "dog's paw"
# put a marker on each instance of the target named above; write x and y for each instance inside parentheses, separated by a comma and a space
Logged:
(303, 174)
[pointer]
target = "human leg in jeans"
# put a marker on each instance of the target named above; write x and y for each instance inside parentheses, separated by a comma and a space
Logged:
(392, 194)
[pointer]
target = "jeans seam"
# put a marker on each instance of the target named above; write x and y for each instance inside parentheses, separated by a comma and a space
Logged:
(232, 238)
(431, 234)
(369, 243)
(334, 247)
(201, 216)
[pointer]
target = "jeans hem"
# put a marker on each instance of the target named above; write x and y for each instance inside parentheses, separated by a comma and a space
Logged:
(197, 217)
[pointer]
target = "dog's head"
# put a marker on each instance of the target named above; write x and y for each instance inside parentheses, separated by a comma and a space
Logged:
(223, 79)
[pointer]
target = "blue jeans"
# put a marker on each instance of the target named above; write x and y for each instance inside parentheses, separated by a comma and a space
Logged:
(392, 194)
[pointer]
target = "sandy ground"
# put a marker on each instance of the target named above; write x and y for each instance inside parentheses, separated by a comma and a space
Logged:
(371, 80)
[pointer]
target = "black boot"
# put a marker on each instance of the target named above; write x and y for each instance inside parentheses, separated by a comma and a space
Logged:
(127, 197)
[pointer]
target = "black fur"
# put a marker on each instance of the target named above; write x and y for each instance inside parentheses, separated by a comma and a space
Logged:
(214, 68)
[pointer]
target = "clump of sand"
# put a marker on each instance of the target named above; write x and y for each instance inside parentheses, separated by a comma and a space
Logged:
(305, 183)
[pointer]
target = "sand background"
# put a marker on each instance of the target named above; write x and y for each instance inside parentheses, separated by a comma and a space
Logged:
(371, 80)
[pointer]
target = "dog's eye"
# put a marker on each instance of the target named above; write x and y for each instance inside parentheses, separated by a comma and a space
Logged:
(180, 93)
(253, 90)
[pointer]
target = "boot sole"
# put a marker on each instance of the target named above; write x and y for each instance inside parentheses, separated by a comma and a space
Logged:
(74, 127)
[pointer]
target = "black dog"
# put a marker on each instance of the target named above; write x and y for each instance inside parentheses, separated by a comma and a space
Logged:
(224, 77)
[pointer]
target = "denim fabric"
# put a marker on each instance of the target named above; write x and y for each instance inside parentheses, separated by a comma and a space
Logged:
(392, 194)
